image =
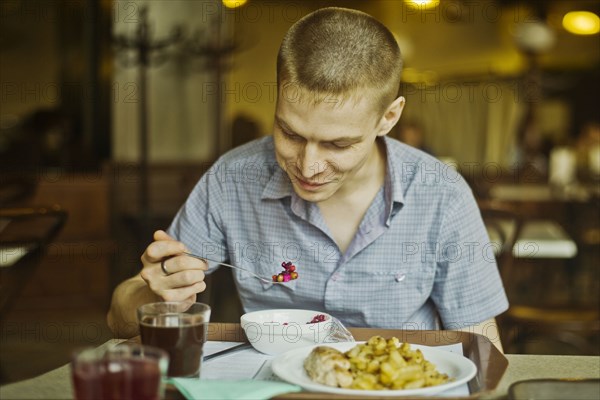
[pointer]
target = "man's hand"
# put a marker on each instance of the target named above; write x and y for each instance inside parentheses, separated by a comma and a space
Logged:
(186, 274)
(184, 281)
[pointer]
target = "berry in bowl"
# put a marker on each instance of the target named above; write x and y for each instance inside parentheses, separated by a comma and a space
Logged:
(277, 331)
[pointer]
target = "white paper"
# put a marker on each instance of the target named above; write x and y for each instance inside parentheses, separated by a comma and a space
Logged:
(251, 364)
(10, 255)
(242, 364)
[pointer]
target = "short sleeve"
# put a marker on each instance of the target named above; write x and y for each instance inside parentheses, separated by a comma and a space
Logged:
(198, 223)
(467, 285)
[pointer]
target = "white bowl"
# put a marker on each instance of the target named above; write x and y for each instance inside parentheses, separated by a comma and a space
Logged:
(277, 331)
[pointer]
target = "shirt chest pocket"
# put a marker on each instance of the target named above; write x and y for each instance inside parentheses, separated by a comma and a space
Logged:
(391, 294)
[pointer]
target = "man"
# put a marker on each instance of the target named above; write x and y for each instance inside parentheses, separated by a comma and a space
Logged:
(381, 234)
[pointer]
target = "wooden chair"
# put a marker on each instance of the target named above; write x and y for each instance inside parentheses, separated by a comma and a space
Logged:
(524, 324)
(504, 226)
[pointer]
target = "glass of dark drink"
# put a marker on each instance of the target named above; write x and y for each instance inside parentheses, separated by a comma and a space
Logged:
(126, 372)
(179, 329)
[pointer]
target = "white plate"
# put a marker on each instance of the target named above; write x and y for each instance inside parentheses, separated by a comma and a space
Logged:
(290, 367)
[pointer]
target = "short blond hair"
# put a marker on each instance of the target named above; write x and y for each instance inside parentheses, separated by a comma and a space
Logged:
(343, 53)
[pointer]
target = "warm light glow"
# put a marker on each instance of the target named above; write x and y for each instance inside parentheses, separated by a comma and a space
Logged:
(412, 75)
(422, 4)
(581, 22)
(534, 36)
(234, 3)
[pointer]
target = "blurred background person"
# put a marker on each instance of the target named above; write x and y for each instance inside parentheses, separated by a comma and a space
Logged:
(532, 151)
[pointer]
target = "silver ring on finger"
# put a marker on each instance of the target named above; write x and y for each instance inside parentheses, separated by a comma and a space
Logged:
(164, 267)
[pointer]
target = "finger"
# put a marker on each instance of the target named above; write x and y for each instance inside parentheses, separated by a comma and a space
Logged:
(184, 278)
(181, 294)
(162, 235)
(179, 271)
(161, 249)
(160, 283)
(183, 263)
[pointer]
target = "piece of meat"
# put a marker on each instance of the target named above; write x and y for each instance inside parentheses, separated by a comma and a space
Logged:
(328, 366)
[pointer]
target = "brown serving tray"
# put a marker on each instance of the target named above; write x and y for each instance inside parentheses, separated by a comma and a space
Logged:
(491, 363)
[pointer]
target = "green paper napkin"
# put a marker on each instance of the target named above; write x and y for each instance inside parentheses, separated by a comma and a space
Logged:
(196, 389)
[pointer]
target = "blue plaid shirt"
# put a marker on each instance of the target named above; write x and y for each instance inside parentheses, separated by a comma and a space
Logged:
(421, 253)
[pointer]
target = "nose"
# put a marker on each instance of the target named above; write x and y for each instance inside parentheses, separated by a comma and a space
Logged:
(311, 163)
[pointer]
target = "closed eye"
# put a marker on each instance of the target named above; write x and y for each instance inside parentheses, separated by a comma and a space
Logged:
(340, 145)
(291, 136)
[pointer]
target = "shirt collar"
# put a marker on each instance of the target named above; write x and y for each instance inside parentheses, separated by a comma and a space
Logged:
(393, 191)
(278, 186)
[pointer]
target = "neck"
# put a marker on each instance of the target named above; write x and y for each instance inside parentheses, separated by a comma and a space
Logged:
(370, 177)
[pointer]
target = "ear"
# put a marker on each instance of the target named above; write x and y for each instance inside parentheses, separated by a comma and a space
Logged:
(391, 116)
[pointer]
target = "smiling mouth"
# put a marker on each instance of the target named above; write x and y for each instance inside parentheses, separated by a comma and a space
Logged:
(310, 185)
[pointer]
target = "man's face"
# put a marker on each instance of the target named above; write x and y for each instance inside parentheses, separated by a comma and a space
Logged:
(325, 148)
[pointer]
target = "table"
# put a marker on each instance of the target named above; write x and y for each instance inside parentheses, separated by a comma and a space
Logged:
(575, 207)
(24, 235)
(541, 238)
(530, 192)
(549, 239)
(56, 384)
(546, 250)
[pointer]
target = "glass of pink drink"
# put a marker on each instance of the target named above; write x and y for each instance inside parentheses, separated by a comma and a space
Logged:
(127, 371)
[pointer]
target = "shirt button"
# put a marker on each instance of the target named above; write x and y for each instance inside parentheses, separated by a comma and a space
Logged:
(400, 277)
(335, 276)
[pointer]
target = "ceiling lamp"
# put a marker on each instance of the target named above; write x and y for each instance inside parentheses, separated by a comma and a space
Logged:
(422, 4)
(534, 37)
(234, 3)
(581, 22)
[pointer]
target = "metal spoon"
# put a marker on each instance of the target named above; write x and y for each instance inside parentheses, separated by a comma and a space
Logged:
(262, 278)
